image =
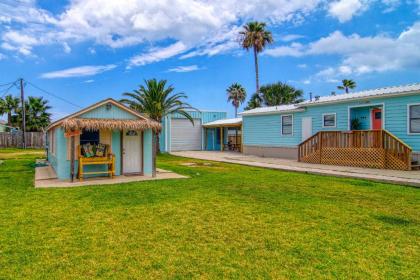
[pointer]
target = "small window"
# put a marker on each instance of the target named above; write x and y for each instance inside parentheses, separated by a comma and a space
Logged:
(91, 137)
(287, 125)
(414, 118)
(328, 120)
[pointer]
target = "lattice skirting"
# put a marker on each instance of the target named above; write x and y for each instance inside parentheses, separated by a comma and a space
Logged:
(357, 157)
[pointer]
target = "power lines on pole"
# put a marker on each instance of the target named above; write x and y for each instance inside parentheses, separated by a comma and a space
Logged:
(22, 98)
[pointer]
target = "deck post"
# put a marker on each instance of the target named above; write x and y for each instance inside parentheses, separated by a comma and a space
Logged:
(320, 147)
(72, 158)
(221, 138)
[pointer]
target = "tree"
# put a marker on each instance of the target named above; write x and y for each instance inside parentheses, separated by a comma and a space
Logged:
(157, 100)
(10, 107)
(275, 94)
(254, 102)
(347, 85)
(37, 115)
(236, 94)
(254, 35)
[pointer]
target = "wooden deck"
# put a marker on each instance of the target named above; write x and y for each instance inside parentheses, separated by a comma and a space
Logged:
(361, 148)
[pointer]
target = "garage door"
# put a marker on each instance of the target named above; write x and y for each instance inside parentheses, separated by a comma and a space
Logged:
(185, 136)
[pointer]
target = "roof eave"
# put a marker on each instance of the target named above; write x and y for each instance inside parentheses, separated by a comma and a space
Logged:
(272, 112)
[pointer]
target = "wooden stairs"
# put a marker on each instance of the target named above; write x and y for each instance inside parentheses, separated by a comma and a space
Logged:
(358, 148)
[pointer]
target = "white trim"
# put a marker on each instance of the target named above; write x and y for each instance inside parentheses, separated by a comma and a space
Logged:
(297, 110)
(335, 120)
(370, 117)
(281, 125)
(408, 119)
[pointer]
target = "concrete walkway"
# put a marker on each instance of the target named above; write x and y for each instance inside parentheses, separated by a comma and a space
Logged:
(45, 177)
(411, 178)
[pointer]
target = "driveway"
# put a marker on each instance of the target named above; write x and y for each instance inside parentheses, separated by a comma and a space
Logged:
(411, 178)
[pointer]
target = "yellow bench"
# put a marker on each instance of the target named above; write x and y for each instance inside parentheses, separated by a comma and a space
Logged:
(108, 160)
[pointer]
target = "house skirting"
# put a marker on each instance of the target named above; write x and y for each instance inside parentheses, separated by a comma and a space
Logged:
(276, 152)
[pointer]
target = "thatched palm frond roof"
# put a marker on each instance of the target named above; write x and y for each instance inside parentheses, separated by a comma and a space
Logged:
(111, 124)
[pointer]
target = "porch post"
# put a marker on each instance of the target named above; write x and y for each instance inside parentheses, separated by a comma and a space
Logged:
(72, 158)
(221, 139)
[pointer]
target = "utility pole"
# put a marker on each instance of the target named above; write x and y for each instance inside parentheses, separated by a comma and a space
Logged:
(22, 98)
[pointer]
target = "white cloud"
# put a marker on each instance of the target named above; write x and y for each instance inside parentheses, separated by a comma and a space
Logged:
(344, 10)
(303, 66)
(88, 81)
(81, 71)
(359, 55)
(66, 48)
(2, 56)
(204, 27)
(157, 54)
(182, 69)
(291, 37)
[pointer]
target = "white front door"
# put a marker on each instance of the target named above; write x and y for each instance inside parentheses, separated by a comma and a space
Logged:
(132, 150)
(306, 128)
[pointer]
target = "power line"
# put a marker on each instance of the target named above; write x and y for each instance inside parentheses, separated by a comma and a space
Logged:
(52, 94)
(7, 90)
(6, 84)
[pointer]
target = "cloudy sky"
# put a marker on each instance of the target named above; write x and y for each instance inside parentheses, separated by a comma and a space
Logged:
(83, 51)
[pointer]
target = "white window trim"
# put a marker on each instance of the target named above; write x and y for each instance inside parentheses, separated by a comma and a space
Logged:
(281, 127)
(335, 120)
(408, 119)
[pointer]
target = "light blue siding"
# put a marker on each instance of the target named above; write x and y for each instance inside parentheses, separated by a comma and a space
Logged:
(148, 152)
(113, 113)
(265, 130)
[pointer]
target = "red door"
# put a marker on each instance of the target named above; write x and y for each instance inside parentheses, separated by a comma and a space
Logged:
(377, 119)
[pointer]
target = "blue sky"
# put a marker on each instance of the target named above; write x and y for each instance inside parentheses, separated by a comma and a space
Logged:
(85, 51)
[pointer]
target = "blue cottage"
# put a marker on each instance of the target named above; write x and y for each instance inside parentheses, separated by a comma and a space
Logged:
(365, 120)
(128, 136)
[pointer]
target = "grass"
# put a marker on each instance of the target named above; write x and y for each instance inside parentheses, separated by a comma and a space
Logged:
(226, 221)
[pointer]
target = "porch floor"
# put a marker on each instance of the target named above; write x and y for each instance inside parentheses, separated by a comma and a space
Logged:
(45, 177)
(411, 178)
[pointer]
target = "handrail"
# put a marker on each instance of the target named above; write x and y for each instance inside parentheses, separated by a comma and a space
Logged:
(355, 148)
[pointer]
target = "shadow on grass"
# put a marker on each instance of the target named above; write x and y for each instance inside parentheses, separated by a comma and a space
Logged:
(392, 220)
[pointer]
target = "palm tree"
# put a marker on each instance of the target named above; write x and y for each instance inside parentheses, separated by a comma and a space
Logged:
(280, 94)
(37, 115)
(275, 94)
(254, 35)
(10, 106)
(157, 100)
(236, 94)
(254, 102)
(347, 85)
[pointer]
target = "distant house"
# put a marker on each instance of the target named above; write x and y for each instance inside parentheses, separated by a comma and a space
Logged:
(279, 131)
(3, 126)
(127, 135)
(179, 134)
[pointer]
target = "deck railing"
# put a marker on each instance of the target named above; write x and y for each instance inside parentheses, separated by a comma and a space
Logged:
(359, 148)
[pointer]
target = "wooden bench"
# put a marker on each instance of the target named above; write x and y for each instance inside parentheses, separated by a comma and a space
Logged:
(108, 160)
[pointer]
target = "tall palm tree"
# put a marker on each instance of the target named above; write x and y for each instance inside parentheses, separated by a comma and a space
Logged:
(10, 106)
(347, 85)
(275, 94)
(236, 94)
(157, 100)
(254, 35)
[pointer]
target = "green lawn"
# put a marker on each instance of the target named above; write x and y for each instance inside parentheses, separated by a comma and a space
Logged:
(226, 221)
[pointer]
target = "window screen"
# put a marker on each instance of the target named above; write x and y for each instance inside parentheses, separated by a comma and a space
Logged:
(414, 118)
(91, 137)
(287, 125)
(329, 120)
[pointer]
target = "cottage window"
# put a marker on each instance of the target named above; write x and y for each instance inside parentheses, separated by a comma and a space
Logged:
(329, 120)
(287, 125)
(414, 118)
(91, 137)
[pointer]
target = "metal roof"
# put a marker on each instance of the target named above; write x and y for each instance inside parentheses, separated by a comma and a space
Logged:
(272, 109)
(380, 92)
(225, 122)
